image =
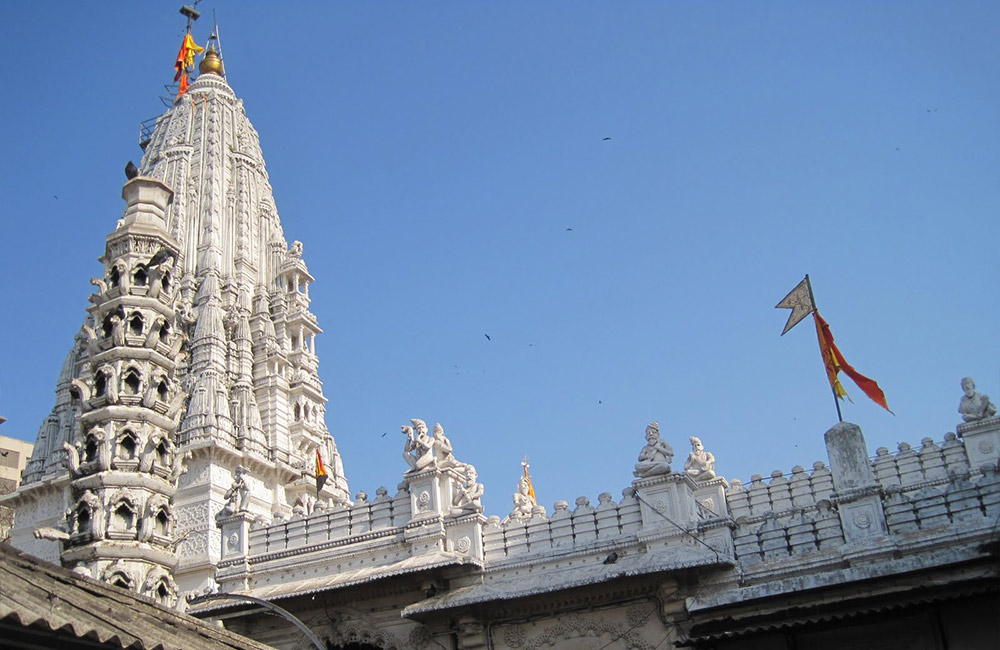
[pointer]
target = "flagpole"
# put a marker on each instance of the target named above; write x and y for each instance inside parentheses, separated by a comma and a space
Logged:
(812, 299)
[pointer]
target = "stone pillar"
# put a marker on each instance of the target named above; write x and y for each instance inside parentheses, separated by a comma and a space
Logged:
(982, 441)
(857, 494)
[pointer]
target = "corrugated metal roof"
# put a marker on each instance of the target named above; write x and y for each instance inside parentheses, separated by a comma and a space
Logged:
(425, 562)
(727, 626)
(39, 595)
(551, 579)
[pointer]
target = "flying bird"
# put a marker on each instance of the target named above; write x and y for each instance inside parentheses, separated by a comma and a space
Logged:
(383, 434)
(131, 171)
(569, 229)
(606, 139)
(487, 337)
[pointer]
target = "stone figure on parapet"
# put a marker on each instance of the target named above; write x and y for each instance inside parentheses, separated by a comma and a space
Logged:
(237, 495)
(700, 464)
(419, 449)
(524, 505)
(443, 449)
(975, 406)
(469, 492)
(656, 456)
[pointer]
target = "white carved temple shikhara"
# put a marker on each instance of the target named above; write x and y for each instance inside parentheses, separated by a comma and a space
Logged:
(178, 462)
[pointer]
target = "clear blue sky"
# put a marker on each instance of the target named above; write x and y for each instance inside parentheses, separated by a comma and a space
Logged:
(433, 156)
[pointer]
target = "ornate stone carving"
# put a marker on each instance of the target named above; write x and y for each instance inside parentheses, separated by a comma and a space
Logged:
(469, 492)
(238, 495)
(524, 505)
(656, 456)
(418, 451)
(419, 637)
(700, 464)
(514, 636)
(974, 406)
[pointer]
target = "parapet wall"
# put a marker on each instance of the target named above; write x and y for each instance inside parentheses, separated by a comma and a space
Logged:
(802, 522)
(928, 489)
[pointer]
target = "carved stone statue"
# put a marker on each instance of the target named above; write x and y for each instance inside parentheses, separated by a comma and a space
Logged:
(72, 457)
(524, 505)
(700, 464)
(237, 495)
(975, 406)
(419, 450)
(179, 465)
(469, 492)
(103, 439)
(655, 457)
(443, 448)
(117, 330)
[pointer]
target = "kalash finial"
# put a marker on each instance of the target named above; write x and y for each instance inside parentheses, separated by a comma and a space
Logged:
(211, 63)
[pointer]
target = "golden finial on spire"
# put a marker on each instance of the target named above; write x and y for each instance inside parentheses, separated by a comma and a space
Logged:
(211, 63)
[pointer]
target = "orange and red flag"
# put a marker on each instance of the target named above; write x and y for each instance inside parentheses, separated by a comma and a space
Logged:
(835, 362)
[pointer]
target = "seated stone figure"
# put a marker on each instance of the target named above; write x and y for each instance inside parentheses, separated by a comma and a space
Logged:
(655, 457)
(700, 464)
(419, 449)
(468, 493)
(524, 505)
(974, 406)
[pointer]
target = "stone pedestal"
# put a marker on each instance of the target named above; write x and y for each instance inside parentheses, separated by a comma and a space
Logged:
(857, 494)
(982, 441)
(235, 534)
(666, 502)
(711, 495)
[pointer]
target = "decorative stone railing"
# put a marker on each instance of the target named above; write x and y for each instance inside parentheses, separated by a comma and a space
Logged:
(564, 529)
(330, 525)
(933, 487)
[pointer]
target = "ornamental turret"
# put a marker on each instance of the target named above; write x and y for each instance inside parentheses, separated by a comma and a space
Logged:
(121, 455)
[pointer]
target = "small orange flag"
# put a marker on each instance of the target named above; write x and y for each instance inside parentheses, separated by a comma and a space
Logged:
(531, 488)
(835, 362)
(320, 472)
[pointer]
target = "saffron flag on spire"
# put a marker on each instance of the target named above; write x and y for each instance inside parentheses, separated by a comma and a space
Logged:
(320, 472)
(527, 477)
(185, 59)
(835, 362)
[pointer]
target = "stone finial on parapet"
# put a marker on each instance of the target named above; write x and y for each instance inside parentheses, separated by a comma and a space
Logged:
(857, 494)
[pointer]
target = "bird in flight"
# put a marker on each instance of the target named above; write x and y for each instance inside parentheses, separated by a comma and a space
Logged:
(487, 337)
(606, 139)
